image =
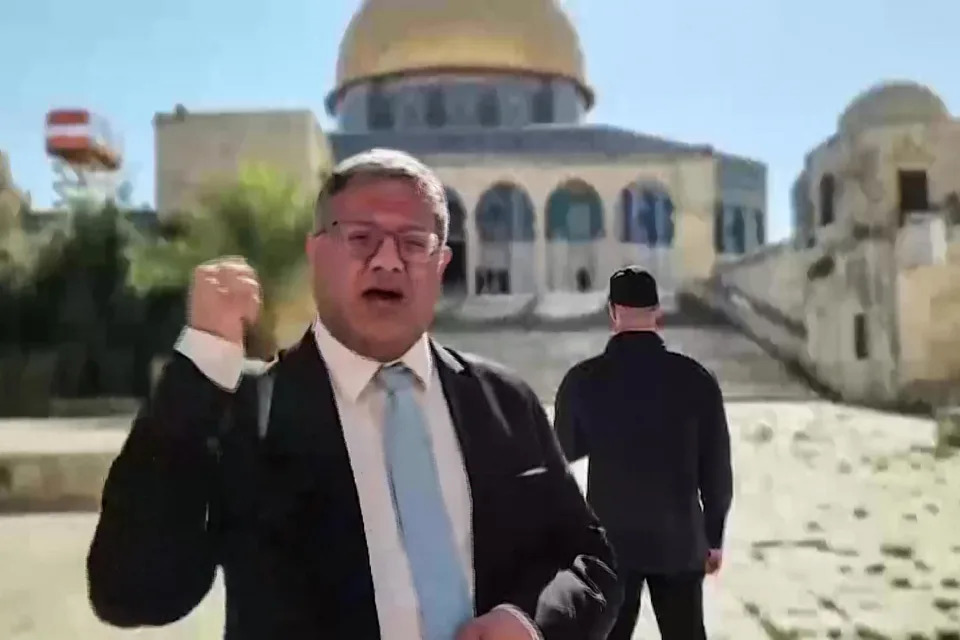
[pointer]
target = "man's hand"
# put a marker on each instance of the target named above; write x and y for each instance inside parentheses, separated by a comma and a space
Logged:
(224, 298)
(714, 561)
(498, 624)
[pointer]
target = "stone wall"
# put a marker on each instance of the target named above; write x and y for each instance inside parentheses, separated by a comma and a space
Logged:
(929, 312)
(774, 275)
(852, 338)
(762, 293)
(193, 149)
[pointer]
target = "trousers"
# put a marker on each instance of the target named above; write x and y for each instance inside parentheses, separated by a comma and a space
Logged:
(677, 604)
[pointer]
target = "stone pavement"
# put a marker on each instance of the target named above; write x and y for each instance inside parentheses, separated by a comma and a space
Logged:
(844, 526)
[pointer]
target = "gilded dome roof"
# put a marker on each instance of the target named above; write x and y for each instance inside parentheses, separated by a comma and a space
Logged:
(893, 103)
(390, 37)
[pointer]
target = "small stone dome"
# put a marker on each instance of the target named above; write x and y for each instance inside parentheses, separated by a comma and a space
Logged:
(893, 103)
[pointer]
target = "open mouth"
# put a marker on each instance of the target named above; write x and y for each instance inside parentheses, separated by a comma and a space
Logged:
(376, 294)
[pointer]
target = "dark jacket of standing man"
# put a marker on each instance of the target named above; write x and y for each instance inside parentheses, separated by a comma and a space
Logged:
(660, 479)
(400, 489)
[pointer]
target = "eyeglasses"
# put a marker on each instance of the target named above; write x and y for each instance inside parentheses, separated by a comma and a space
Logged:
(364, 240)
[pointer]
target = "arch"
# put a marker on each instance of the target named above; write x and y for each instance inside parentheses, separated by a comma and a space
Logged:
(574, 221)
(574, 212)
(646, 215)
(505, 229)
(455, 276)
(505, 213)
(731, 225)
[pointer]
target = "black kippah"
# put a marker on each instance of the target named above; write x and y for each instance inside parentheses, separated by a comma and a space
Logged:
(633, 287)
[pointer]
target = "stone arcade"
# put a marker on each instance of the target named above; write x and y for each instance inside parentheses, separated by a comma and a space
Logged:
(494, 96)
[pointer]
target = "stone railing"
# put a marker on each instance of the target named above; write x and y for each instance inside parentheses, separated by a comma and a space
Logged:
(782, 337)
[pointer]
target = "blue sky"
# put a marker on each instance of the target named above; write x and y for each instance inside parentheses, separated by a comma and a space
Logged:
(762, 78)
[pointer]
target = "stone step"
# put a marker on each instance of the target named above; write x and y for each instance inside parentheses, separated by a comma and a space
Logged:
(55, 467)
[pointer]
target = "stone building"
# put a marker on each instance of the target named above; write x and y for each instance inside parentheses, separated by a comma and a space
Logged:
(193, 150)
(867, 294)
(494, 96)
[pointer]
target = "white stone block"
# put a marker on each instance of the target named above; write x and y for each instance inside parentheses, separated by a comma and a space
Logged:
(922, 241)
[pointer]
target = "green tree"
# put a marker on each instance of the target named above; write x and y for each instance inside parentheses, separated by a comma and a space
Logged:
(262, 216)
(17, 252)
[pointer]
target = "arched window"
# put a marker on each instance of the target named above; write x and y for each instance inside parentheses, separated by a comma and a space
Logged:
(436, 108)
(505, 214)
(543, 104)
(574, 213)
(646, 211)
(718, 228)
(738, 231)
(379, 109)
(828, 188)
(488, 109)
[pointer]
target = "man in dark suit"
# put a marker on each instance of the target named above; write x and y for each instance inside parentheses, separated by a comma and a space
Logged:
(370, 483)
(660, 479)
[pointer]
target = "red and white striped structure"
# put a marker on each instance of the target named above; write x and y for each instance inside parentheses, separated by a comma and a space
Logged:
(86, 156)
(82, 140)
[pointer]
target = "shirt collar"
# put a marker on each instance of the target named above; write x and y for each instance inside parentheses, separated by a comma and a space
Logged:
(352, 373)
(636, 339)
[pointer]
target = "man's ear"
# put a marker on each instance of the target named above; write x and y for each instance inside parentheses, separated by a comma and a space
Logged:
(445, 255)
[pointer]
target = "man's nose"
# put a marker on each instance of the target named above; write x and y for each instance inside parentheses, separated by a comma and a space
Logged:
(387, 256)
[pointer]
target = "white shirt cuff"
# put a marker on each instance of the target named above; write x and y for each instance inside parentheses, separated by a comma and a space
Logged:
(219, 360)
(524, 619)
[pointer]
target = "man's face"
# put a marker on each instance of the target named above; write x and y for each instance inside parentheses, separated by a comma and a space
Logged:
(378, 269)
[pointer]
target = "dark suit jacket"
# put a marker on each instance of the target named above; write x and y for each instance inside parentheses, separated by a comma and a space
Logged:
(653, 423)
(195, 487)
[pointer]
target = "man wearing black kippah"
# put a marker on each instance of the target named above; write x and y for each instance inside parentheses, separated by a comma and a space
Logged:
(660, 479)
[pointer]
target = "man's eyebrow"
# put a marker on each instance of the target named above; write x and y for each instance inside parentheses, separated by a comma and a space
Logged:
(409, 226)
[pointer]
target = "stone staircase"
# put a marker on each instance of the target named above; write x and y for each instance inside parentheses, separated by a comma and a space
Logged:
(745, 370)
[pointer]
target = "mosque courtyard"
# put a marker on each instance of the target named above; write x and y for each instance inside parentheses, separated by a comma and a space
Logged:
(843, 526)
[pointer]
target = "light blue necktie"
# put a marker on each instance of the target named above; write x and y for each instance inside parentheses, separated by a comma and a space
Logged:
(425, 527)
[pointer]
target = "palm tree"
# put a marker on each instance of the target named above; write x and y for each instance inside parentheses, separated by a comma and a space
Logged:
(262, 216)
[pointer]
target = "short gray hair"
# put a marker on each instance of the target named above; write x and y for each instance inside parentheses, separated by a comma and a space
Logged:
(384, 163)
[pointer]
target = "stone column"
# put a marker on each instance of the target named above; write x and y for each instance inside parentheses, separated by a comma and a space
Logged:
(611, 255)
(539, 201)
(469, 199)
(693, 242)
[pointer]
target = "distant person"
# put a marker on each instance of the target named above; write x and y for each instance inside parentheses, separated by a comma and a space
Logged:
(371, 483)
(660, 479)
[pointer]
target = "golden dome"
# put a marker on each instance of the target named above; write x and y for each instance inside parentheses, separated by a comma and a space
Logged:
(387, 37)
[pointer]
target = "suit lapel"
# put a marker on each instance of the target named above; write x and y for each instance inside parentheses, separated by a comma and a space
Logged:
(475, 422)
(311, 508)
(312, 495)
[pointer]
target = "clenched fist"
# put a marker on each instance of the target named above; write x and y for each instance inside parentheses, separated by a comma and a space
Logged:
(224, 298)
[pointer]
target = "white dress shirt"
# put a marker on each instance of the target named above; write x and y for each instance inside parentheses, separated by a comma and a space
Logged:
(361, 405)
